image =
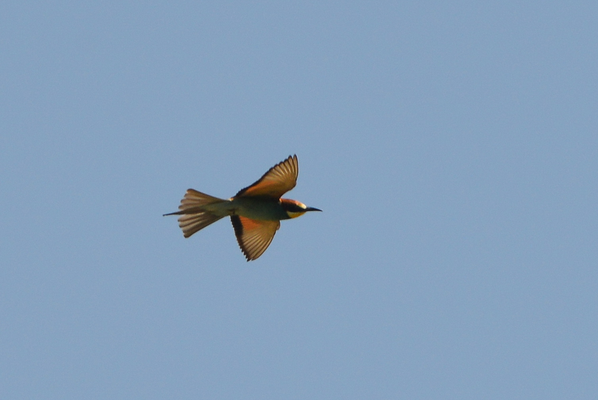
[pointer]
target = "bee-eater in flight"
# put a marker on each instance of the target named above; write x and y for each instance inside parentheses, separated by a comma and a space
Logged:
(255, 211)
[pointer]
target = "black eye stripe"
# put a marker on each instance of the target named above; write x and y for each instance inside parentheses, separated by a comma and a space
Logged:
(293, 207)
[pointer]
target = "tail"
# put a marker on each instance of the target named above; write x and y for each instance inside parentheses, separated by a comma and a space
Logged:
(193, 213)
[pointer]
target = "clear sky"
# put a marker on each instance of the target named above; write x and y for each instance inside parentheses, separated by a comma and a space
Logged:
(453, 146)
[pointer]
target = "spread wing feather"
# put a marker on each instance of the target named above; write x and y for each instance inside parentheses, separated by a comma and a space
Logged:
(253, 236)
(277, 181)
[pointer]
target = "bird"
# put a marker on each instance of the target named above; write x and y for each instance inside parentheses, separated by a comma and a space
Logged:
(255, 211)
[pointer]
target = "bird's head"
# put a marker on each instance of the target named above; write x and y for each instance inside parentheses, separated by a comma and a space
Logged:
(295, 208)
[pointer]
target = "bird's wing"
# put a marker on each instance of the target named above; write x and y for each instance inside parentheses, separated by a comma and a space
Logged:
(277, 181)
(253, 236)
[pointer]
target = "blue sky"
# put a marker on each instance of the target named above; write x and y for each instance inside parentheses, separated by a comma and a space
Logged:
(453, 147)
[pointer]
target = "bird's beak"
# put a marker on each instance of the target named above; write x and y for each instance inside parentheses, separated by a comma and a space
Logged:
(312, 209)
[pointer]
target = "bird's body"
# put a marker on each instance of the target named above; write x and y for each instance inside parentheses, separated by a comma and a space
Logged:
(255, 211)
